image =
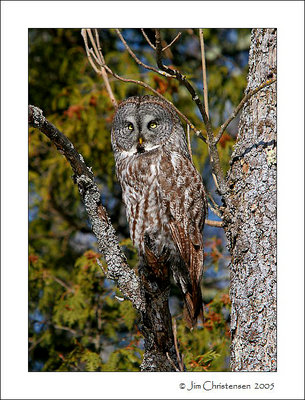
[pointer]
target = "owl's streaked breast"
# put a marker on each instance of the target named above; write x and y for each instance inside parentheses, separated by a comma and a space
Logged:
(138, 176)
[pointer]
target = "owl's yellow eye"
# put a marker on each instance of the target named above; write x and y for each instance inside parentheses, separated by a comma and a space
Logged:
(152, 125)
(130, 127)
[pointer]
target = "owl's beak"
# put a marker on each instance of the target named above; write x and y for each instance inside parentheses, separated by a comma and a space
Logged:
(140, 146)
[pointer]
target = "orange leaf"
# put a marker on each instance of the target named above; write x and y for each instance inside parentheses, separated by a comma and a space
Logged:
(33, 258)
(224, 139)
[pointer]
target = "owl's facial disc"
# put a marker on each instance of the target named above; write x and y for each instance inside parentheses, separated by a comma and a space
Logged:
(142, 127)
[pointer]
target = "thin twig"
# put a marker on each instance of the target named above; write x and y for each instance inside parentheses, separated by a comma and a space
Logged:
(204, 74)
(212, 200)
(215, 210)
(120, 299)
(101, 266)
(99, 47)
(37, 342)
(98, 56)
(172, 42)
(136, 58)
(217, 224)
(96, 69)
(215, 207)
(180, 360)
(91, 51)
(63, 284)
(92, 41)
(147, 39)
(239, 107)
(172, 362)
(66, 328)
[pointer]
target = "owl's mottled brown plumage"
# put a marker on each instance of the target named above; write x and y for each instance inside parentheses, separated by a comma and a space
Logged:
(163, 193)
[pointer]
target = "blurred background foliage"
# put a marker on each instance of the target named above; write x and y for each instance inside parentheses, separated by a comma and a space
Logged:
(76, 322)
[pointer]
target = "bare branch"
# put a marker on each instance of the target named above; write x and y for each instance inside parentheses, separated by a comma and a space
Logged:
(172, 362)
(218, 224)
(63, 284)
(101, 266)
(239, 107)
(215, 208)
(204, 74)
(99, 59)
(99, 47)
(91, 51)
(172, 42)
(93, 43)
(136, 58)
(34, 344)
(66, 328)
(147, 39)
(180, 359)
(212, 200)
(84, 35)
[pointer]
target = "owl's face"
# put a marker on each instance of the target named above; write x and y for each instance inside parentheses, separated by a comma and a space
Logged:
(142, 124)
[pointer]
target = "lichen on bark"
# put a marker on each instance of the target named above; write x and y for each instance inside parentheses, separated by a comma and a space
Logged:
(251, 231)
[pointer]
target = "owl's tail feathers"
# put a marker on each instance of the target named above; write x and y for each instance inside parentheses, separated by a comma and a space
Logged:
(193, 298)
(193, 307)
(189, 277)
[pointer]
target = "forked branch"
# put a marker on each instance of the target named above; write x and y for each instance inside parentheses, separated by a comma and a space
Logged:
(98, 64)
(172, 42)
(164, 48)
(132, 54)
(204, 73)
(147, 40)
(98, 55)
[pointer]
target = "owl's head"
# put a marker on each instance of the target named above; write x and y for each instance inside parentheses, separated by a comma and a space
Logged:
(142, 124)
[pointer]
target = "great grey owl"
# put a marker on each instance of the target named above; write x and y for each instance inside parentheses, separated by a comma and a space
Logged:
(163, 193)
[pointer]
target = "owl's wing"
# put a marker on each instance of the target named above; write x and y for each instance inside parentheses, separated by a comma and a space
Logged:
(193, 261)
(183, 198)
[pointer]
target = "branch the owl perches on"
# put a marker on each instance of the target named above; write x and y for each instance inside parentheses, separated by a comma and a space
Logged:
(160, 349)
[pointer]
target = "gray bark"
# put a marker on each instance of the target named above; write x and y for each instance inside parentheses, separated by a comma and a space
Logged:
(251, 228)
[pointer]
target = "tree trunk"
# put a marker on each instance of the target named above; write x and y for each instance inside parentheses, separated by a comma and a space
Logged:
(251, 230)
